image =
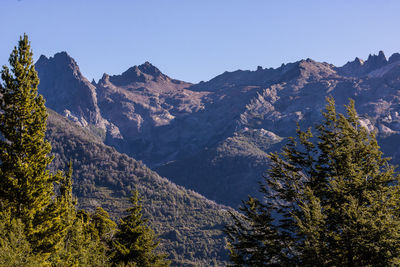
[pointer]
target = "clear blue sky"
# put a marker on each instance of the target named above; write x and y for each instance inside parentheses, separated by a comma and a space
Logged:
(195, 40)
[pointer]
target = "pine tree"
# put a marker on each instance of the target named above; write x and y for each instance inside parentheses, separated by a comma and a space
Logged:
(26, 186)
(105, 227)
(65, 200)
(336, 199)
(251, 239)
(15, 250)
(83, 245)
(134, 243)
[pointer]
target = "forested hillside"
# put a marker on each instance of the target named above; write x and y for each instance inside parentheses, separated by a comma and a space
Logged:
(189, 226)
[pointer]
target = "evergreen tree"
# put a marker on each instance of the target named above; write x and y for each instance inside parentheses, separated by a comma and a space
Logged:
(251, 240)
(134, 243)
(26, 186)
(15, 250)
(65, 200)
(105, 227)
(335, 198)
(83, 245)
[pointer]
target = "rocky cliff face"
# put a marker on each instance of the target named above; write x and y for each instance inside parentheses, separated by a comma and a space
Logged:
(143, 103)
(66, 90)
(69, 93)
(214, 136)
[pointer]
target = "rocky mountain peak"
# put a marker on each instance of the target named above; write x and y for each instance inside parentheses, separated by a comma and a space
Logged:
(62, 62)
(394, 58)
(356, 63)
(64, 56)
(310, 68)
(42, 59)
(143, 73)
(376, 61)
(306, 63)
(150, 69)
(104, 79)
(360, 68)
(67, 91)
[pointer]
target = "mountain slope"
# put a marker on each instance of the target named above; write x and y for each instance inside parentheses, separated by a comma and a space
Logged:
(189, 226)
(276, 103)
(213, 137)
(141, 101)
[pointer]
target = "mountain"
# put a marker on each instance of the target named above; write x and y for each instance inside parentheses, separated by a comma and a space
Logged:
(69, 93)
(66, 90)
(189, 225)
(141, 100)
(213, 137)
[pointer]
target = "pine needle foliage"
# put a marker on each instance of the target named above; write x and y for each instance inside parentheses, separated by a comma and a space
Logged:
(251, 240)
(134, 243)
(332, 198)
(26, 185)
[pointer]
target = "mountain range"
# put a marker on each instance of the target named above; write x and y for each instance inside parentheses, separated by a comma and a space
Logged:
(212, 137)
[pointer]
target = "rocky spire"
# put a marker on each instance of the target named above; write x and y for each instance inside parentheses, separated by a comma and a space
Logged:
(66, 90)
(376, 61)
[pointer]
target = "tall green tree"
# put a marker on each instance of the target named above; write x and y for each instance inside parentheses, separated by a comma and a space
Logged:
(105, 227)
(252, 241)
(15, 250)
(86, 243)
(335, 199)
(26, 185)
(134, 243)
